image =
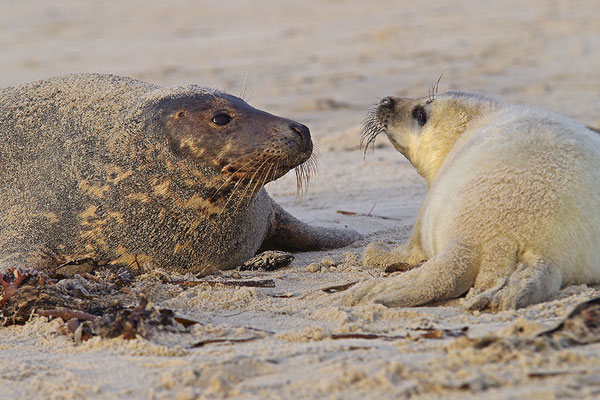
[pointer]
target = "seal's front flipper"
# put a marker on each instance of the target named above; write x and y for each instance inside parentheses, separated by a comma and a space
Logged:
(288, 233)
(446, 275)
(534, 280)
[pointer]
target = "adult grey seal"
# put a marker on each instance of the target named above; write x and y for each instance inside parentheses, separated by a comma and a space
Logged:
(112, 168)
(512, 208)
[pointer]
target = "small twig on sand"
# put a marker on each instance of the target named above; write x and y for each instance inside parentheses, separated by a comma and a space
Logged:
(369, 336)
(66, 314)
(430, 334)
(223, 340)
(356, 214)
(339, 288)
(329, 289)
(186, 321)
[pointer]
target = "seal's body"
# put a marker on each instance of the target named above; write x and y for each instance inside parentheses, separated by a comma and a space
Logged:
(512, 207)
(105, 167)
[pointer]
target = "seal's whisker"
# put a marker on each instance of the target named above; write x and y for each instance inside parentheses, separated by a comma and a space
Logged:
(231, 195)
(234, 190)
(256, 186)
(235, 187)
(262, 181)
(265, 177)
(232, 174)
(249, 185)
(305, 172)
(275, 171)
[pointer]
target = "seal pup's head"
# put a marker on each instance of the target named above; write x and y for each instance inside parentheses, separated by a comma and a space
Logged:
(424, 129)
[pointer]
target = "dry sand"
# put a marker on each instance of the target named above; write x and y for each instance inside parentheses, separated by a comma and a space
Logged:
(322, 63)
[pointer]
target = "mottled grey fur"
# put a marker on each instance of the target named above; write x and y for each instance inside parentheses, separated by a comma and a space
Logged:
(88, 169)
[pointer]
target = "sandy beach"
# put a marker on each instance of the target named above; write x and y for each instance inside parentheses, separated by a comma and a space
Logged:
(322, 63)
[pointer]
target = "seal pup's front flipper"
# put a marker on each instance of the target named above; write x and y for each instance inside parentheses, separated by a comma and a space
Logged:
(445, 276)
(286, 232)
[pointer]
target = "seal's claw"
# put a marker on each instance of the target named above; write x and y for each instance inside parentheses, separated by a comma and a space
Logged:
(361, 293)
(376, 254)
(390, 292)
(478, 300)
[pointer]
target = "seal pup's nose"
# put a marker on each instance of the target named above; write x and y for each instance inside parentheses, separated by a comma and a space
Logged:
(387, 102)
(302, 131)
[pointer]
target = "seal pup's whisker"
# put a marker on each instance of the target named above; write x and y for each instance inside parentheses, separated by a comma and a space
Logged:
(261, 181)
(370, 129)
(243, 92)
(260, 177)
(433, 90)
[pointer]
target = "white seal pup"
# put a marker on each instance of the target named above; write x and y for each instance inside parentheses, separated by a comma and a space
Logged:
(512, 207)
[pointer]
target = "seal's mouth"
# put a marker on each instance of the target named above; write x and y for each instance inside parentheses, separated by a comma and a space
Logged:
(241, 184)
(252, 175)
(372, 127)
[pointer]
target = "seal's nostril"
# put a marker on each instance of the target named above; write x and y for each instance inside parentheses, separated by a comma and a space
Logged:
(387, 102)
(301, 130)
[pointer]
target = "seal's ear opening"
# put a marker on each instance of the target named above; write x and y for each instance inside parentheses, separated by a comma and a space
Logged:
(186, 122)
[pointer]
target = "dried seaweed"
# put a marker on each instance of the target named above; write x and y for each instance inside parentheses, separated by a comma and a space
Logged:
(581, 326)
(268, 261)
(93, 303)
(245, 283)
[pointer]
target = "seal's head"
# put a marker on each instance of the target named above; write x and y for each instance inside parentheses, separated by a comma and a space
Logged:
(241, 142)
(424, 129)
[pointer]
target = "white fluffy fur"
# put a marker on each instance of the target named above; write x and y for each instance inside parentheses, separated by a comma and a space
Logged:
(512, 212)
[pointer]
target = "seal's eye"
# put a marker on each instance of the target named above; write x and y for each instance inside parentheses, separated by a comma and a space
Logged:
(221, 119)
(420, 115)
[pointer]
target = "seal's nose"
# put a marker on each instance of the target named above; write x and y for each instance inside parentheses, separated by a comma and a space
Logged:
(387, 102)
(302, 131)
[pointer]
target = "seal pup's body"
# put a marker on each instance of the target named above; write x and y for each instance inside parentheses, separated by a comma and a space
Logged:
(112, 168)
(512, 207)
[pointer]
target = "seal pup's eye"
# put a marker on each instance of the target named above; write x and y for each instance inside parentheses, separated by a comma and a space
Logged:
(221, 119)
(420, 115)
